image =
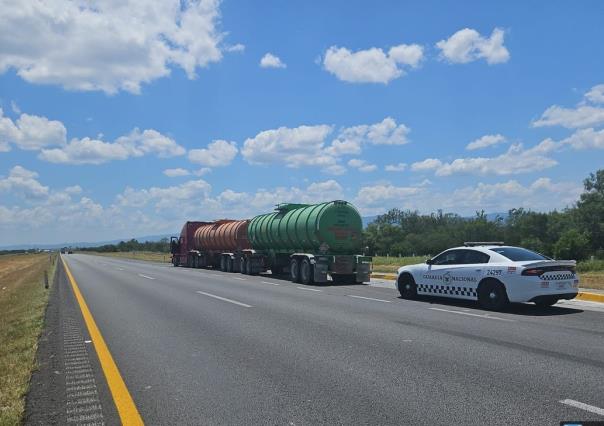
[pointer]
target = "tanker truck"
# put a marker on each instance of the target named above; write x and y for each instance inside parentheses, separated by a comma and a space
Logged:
(309, 242)
(215, 244)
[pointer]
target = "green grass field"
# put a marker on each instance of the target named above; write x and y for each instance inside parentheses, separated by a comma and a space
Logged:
(138, 255)
(22, 303)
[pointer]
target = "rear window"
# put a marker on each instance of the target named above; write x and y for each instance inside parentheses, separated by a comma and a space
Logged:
(517, 254)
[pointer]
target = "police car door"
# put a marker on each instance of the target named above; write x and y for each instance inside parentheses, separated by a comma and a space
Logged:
(463, 278)
(436, 280)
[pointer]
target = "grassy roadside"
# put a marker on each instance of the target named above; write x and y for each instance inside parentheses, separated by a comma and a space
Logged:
(22, 303)
(138, 255)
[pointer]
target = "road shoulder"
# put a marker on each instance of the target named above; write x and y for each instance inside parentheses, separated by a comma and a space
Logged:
(68, 387)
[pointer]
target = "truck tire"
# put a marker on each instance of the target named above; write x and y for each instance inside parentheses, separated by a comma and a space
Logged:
(242, 265)
(248, 268)
(229, 264)
(492, 295)
(306, 271)
(294, 271)
(223, 263)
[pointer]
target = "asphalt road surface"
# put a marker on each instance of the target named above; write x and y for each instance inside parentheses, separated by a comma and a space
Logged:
(206, 347)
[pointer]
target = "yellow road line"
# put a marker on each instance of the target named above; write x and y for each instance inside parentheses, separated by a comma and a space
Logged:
(126, 408)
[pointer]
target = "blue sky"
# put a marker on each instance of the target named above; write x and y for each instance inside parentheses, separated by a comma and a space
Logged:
(125, 121)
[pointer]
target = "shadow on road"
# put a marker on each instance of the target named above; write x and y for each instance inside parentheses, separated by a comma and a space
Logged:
(525, 309)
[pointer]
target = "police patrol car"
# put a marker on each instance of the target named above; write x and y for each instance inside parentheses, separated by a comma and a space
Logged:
(492, 273)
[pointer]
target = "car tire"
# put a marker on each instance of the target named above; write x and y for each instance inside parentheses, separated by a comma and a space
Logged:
(306, 272)
(492, 295)
(294, 271)
(545, 303)
(407, 287)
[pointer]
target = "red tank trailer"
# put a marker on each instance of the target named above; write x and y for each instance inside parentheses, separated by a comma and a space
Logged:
(217, 244)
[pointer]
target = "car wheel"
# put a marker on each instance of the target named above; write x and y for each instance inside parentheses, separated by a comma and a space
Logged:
(294, 271)
(544, 303)
(407, 287)
(492, 295)
(306, 272)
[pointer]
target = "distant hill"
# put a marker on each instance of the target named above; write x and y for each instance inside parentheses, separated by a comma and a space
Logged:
(83, 243)
(367, 220)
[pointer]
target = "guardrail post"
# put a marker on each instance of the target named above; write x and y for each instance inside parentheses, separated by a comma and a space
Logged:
(46, 279)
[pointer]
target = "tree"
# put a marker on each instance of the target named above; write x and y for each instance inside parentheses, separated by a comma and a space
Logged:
(572, 245)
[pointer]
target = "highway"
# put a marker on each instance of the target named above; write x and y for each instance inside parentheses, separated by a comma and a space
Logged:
(204, 347)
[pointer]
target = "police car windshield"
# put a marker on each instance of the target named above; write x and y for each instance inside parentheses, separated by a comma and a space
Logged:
(517, 254)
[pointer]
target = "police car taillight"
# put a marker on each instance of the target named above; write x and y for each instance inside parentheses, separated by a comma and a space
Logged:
(533, 272)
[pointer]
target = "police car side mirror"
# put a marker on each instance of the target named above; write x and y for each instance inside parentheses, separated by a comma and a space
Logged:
(429, 262)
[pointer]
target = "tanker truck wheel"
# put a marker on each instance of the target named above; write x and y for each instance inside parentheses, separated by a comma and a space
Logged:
(222, 263)
(294, 271)
(248, 267)
(306, 272)
(242, 263)
(229, 264)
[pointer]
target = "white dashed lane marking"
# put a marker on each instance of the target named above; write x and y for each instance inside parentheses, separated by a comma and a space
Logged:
(268, 282)
(146, 276)
(369, 298)
(224, 299)
(239, 278)
(472, 315)
(583, 406)
(308, 289)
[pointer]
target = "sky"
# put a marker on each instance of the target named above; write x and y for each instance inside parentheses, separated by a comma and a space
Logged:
(126, 118)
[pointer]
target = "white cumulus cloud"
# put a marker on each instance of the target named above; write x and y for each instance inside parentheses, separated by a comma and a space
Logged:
(107, 45)
(30, 132)
(596, 94)
(515, 160)
(23, 183)
(271, 61)
(485, 141)
(372, 65)
(219, 153)
(96, 151)
(294, 147)
(396, 167)
(362, 165)
(176, 172)
(582, 116)
(468, 45)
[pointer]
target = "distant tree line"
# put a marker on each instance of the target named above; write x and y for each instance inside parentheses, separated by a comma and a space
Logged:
(573, 233)
(162, 246)
(19, 251)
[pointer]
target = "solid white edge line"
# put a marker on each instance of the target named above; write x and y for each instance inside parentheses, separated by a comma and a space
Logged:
(472, 315)
(146, 276)
(308, 289)
(267, 282)
(224, 299)
(583, 406)
(368, 298)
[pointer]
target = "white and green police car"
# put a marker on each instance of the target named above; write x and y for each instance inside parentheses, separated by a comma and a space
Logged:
(491, 273)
